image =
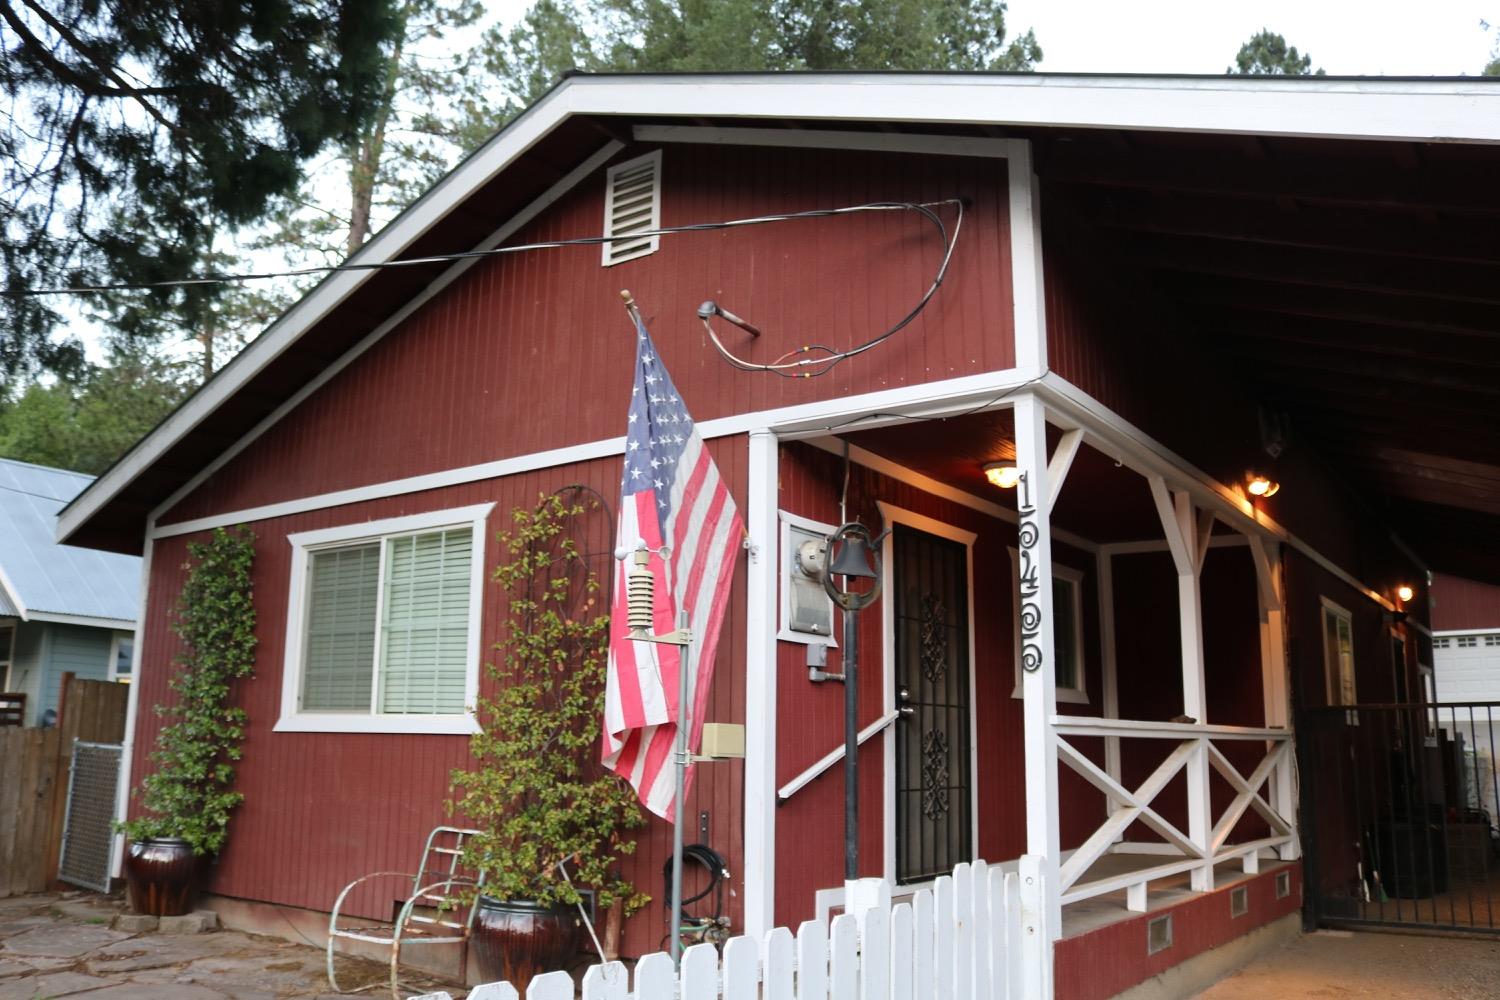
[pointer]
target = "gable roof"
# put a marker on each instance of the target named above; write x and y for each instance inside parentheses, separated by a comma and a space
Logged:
(43, 580)
(584, 120)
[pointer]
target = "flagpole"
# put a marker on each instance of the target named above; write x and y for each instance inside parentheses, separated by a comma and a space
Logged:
(682, 640)
(677, 803)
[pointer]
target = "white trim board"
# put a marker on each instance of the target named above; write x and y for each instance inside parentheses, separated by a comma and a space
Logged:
(91, 621)
(912, 402)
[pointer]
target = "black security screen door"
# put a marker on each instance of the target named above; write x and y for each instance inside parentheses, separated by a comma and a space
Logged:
(931, 595)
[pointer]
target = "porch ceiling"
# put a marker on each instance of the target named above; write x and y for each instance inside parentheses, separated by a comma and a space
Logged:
(1355, 286)
(1101, 501)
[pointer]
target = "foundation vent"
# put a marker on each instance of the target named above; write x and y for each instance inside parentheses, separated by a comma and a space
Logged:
(1283, 885)
(1239, 901)
(1159, 934)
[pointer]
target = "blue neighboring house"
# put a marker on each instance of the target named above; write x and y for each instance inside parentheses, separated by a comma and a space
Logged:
(61, 608)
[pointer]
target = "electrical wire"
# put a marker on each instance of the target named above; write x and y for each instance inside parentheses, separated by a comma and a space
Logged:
(700, 227)
(807, 366)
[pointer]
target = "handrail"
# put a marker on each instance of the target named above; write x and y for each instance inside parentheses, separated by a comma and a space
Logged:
(831, 758)
(1082, 725)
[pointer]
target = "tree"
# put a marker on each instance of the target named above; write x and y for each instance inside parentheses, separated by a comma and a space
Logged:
(556, 36)
(394, 155)
(1267, 54)
(135, 133)
(87, 423)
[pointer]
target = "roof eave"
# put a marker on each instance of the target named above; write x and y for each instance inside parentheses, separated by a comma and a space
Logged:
(1437, 110)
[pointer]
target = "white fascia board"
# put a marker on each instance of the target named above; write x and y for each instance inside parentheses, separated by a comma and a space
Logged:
(127, 624)
(1437, 110)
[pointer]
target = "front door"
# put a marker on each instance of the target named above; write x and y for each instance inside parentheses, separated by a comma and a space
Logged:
(931, 610)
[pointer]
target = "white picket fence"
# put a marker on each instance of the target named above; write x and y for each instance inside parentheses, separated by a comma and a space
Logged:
(975, 935)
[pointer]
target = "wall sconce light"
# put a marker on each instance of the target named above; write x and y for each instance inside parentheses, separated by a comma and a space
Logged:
(1004, 476)
(1405, 593)
(1260, 485)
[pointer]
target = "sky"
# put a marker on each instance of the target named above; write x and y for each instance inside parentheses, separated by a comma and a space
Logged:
(1370, 37)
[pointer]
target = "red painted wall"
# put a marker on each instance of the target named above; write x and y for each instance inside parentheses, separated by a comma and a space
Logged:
(1464, 604)
(322, 809)
(1107, 961)
(532, 352)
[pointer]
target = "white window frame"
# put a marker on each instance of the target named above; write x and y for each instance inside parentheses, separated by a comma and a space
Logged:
(114, 656)
(1332, 679)
(14, 624)
(303, 545)
(1079, 693)
(785, 633)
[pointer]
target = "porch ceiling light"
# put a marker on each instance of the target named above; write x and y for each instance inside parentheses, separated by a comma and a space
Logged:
(1405, 593)
(1259, 485)
(1004, 476)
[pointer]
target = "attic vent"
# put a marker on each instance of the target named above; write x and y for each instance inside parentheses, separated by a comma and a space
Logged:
(632, 204)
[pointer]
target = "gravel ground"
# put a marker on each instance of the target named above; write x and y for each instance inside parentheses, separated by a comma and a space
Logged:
(1369, 964)
(54, 946)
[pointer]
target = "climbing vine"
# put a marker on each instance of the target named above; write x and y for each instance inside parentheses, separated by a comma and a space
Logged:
(190, 794)
(535, 788)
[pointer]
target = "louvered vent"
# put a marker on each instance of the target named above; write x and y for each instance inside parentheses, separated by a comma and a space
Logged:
(632, 204)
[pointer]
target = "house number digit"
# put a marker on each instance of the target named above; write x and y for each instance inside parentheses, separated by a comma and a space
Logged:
(1031, 613)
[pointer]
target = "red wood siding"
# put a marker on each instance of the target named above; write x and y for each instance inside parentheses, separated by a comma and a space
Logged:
(322, 808)
(809, 827)
(1464, 604)
(1112, 959)
(533, 352)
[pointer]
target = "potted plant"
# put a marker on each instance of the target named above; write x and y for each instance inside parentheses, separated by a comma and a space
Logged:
(187, 799)
(535, 789)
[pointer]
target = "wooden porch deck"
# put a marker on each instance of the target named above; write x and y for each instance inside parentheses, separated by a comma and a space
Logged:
(1100, 911)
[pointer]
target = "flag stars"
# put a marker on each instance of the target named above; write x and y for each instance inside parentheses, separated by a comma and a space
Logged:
(636, 473)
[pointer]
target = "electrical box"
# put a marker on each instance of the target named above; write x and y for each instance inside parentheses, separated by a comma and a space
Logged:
(806, 610)
(723, 740)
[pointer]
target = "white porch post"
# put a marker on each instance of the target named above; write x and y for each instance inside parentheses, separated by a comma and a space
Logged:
(1274, 680)
(1187, 537)
(1038, 676)
(760, 688)
(132, 702)
(1104, 571)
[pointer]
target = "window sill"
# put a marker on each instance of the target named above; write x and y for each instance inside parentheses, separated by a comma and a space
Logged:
(1071, 696)
(333, 722)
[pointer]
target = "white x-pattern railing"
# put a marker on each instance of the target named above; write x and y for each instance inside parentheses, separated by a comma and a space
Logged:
(1129, 806)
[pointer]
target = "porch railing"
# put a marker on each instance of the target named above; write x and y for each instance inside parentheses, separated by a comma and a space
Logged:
(1207, 842)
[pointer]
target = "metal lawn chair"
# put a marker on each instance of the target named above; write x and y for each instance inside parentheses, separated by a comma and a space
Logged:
(431, 914)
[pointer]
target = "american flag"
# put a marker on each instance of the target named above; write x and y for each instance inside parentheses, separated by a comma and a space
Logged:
(671, 495)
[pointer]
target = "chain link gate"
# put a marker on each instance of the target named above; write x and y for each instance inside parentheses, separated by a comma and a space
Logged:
(88, 833)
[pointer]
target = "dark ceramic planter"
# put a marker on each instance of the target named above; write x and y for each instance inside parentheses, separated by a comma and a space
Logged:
(164, 876)
(516, 940)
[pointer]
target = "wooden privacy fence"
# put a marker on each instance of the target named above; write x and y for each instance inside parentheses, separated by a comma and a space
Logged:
(34, 780)
(972, 936)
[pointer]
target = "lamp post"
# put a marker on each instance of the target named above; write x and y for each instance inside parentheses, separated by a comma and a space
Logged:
(855, 559)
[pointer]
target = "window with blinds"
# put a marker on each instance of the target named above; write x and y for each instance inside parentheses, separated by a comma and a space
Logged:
(387, 625)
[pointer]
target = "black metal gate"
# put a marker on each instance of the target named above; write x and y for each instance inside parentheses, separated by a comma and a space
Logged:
(1399, 815)
(933, 822)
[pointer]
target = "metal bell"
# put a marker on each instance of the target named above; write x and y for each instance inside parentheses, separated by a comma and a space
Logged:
(855, 557)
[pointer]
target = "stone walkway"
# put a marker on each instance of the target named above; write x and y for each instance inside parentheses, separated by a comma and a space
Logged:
(54, 946)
